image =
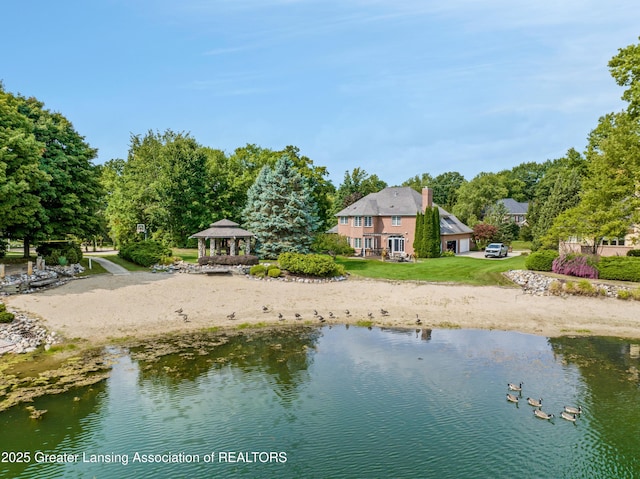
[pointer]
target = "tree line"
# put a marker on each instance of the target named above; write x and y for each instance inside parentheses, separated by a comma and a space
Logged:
(51, 189)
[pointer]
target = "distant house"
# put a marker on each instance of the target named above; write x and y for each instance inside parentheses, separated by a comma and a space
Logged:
(517, 211)
(387, 220)
(606, 247)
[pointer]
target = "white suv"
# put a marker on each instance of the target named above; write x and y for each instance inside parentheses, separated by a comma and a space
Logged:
(496, 250)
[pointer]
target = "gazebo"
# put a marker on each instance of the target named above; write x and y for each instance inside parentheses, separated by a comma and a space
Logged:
(224, 236)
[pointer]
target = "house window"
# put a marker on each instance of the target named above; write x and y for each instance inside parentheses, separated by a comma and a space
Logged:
(357, 221)
(357, 242)
(368, 243)
(395, 221)
(344, 220)
(368, 221)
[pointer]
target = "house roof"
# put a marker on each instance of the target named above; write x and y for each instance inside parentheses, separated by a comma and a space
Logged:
(401, 201)
(392, 201)
(223, 229)
(515, 207)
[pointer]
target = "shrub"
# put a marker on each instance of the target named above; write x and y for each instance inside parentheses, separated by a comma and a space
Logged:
(555, 287)
(541, 260)
(585, 287)
(633, 252)
(332, 244)
(257, 270)
(310, 264)
(578, 265)
(5, 316)
(51, 252)
(145, 253)
(274, 272)
(624, 294)
(621, 268)
(228, 260)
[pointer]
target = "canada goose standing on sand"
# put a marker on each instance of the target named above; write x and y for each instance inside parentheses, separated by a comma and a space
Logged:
(539, 413)
(573, 410)
(418, 320)
(280, 317)
(514, 387)
(512, 398)
(535, 402)
(370, 315)
(179, 310)
(321, 319)
(232, 315)
(331, 315)
(265, 309)
(347, 313)
(298, 316)
(568, 417)
(384, 312)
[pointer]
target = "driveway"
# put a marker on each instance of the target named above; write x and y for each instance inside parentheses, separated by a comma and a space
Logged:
(480, 255)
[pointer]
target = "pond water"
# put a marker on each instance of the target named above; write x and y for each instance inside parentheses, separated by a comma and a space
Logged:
(341, 402)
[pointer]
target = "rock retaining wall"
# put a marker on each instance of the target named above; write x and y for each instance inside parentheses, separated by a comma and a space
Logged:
(535, 283)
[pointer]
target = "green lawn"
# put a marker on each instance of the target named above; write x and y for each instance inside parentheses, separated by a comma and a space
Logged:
(188, 255)
(124, 263)
(457, 269)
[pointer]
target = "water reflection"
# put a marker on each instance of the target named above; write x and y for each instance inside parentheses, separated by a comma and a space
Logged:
(353, 402)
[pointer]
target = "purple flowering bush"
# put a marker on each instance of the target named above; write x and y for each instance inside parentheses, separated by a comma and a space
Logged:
(579, 265)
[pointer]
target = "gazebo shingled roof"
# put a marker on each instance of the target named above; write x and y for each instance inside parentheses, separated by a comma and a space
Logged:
(223, 229)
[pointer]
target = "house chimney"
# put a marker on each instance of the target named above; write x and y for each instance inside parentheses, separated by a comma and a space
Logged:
(427, 198)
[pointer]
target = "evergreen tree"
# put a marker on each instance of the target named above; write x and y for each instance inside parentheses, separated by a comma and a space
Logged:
(280, 210)
(563, 195)
(427, 234)
(436, 243)
(417, 237)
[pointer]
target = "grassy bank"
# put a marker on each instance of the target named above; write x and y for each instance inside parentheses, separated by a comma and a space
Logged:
(457, 269)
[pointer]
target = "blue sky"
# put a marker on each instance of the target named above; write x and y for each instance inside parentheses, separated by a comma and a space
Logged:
(397, 87)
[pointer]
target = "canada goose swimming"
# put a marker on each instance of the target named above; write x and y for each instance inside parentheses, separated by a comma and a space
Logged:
(232, 315)
(541, 414)
(512, 398)
(568, 417)
(573, 410)
(535, 402)
(513, 387)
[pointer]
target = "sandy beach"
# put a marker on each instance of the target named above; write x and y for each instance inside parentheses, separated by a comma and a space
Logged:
(105, 307)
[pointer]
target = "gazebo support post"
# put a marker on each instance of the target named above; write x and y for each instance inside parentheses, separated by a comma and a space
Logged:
(202, 248)
(233, 247)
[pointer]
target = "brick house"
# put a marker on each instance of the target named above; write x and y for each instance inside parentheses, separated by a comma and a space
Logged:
(387, 220)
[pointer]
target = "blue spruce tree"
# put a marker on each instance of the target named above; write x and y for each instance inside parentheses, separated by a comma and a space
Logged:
(280, 210)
